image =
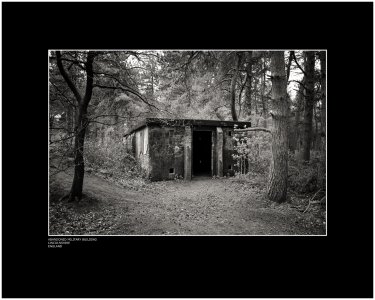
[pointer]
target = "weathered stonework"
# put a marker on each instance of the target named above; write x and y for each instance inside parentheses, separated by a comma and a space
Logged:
(187, 152)
(228, 162)
(163, 147)
(219, 150)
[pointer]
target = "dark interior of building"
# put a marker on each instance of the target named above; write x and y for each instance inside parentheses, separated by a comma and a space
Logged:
(202, 153)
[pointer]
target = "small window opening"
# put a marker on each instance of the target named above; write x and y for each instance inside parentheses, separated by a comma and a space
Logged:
(230, 133)
(171, 170)
(230, 167)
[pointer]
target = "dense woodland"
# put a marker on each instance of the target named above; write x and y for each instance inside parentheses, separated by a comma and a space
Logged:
(97, 96)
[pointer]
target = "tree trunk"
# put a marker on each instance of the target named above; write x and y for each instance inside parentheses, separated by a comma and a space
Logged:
(79, 167)
(152, 84)
(233, 87)
(255, 100)
(316, 131)
(51, 120)
(323, 119)
(323, 88)
(264, 113)
(297, 121)
(291, 54)
(69, 113)
(277, 183)
(309, 104)
(81, 122)
(249, 70)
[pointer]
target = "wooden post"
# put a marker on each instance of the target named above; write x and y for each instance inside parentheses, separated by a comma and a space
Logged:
(219, 149)
(187, 153)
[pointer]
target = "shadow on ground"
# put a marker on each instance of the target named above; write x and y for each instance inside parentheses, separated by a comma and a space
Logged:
(203, 206)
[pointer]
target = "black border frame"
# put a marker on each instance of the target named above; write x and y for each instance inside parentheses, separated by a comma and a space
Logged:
(339, 265)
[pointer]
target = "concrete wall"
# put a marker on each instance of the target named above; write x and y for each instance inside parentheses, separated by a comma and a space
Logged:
(214, 153)
(188, 137)
(228, 162)
(166, 152)
(142, 153)
(219, 151)
(129, 142)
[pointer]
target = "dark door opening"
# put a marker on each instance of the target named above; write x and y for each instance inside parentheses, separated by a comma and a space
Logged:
(202, 153)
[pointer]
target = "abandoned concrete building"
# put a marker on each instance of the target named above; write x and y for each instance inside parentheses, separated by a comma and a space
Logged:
(183, 148)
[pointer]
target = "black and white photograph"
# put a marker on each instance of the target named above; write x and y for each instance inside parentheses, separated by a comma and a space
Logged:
(193, 149)
(187, 142)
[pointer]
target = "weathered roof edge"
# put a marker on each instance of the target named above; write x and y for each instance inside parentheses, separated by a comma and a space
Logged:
(186, 122)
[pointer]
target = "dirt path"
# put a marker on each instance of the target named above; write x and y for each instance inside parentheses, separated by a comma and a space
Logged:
(204, 206)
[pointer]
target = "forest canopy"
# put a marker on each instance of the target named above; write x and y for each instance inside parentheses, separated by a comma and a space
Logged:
(177, 84)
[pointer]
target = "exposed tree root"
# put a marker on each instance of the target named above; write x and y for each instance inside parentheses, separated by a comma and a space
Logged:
(70, 198)
(74, 198)
(64, 197)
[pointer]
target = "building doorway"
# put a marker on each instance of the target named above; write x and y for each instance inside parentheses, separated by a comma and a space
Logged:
(202, 143)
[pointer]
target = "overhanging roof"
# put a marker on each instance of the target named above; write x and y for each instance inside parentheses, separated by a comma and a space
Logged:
(186, 122)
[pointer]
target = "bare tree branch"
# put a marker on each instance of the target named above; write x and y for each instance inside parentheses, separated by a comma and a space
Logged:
(92, 121)
(127, 90)
(300, 82)
(67, 78)
(63, 139)
(90, 77)
(190, 59)
(62, 94)
(298, 65)
(99, 116)
(291, 54)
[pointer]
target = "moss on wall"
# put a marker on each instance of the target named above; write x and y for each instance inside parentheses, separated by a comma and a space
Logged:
(166, 152)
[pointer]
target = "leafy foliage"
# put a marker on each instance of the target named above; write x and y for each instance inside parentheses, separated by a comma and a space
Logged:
(111, 159)
(303, 176)
(253, 155)
(252, 152)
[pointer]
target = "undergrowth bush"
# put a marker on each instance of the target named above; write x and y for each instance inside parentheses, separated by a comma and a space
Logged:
(252, 152)
(253, 156)
(303, 176)
(252, 179)
(61, 155)
(112, 160)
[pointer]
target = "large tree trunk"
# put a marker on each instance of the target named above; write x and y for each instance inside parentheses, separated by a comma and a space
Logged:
(249, 76)
(297, 121)
(309, 104)
(316, 129)
(70, 123)
(69, 117)
(291, 55)
(233, 87)
(277, 183)
(255, 99)
(81, 122)
(79, 167)
(263, 89)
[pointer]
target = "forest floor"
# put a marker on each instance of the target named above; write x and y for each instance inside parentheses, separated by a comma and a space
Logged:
(203, 206)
